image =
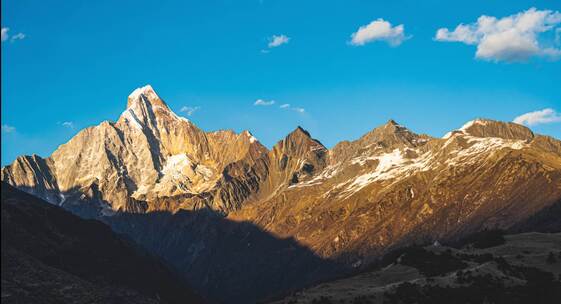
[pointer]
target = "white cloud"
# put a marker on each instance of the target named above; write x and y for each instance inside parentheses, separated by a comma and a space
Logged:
(262, 102)
(287, 106)
(379, 30)
(18, 36)
(284, 106)
(538, 117)
(8, 129)
(189, 110)
(5, 35)
(276, 41)
(68, 124)
(462, 33)
(511, 38)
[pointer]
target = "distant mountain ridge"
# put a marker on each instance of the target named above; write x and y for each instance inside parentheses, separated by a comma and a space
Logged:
(348, 204)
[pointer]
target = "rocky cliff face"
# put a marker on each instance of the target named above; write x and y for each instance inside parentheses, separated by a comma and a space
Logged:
(149, 155)
(350, 203)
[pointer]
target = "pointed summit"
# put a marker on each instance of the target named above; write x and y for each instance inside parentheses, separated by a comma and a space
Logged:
(390, 134)
(296, 158)
(146, 109)
(299, 140)
(301, 136)
(391, 127)
(299, 131)
(145, 94)
(391, 122)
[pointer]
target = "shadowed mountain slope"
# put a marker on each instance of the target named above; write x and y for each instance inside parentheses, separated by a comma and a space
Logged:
(227, 261)
(51, 256)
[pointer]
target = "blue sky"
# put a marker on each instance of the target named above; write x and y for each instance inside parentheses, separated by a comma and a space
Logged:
(76, 62)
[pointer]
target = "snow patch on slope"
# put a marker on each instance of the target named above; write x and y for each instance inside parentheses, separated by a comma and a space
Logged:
(480, 146)
(181, 175)
(394, 165)
(175, 164)
(146, 90)
(463, 129)
(447, 135)
(390, 165)
(131, 119)
(361, 160)
(328, 172)
(471, 123)
(252, 138)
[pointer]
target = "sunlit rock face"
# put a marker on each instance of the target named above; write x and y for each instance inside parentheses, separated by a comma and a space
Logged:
(150, 154)
(392, 187)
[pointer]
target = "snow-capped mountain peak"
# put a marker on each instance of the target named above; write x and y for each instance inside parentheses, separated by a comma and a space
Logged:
(146, 94)
(146, 90)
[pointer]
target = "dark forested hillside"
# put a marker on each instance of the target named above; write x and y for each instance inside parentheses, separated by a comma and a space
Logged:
(52, 256)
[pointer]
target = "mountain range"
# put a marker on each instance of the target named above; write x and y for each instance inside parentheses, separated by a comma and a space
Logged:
(244, 223)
